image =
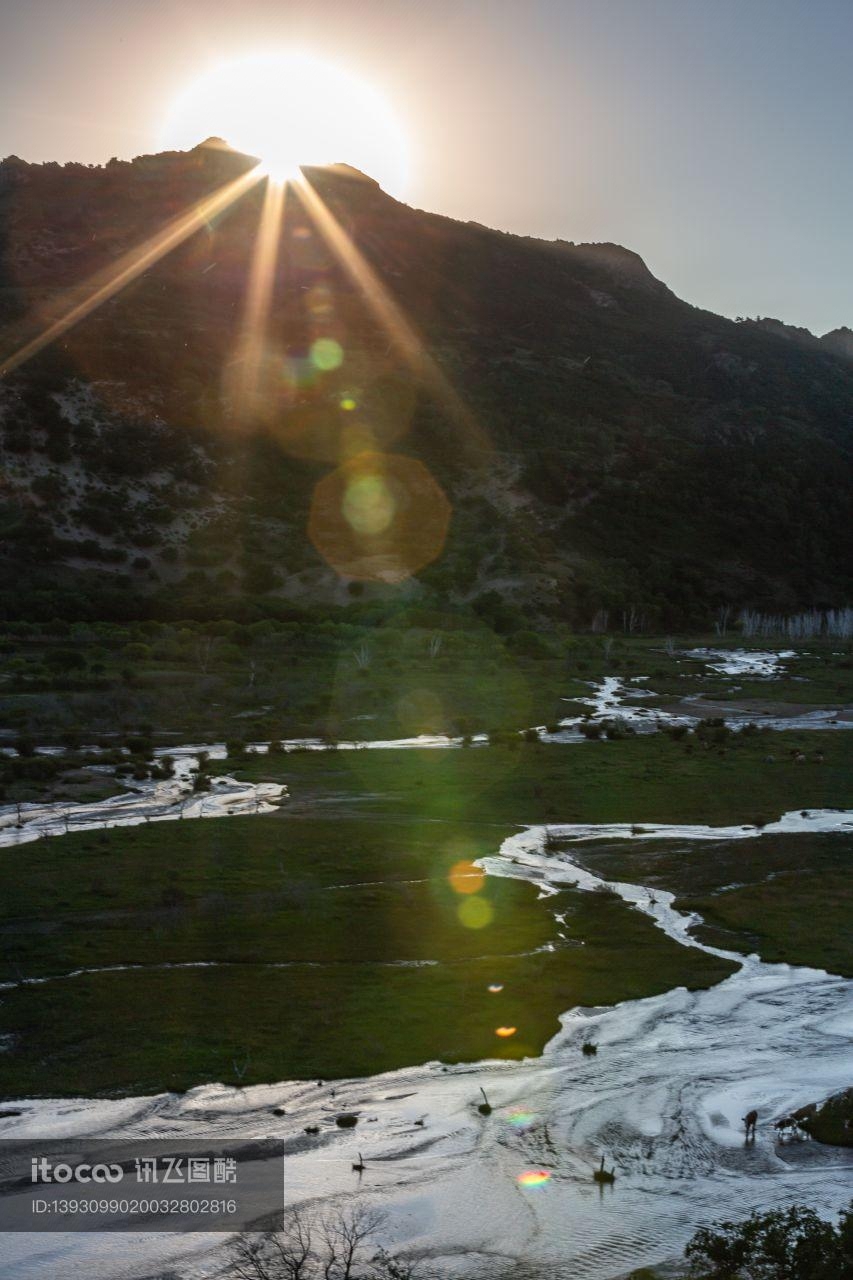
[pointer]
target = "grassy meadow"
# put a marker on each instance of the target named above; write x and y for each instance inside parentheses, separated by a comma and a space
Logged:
(335, 937)
(785, 897)
(338, 946)
(330, 938)
(192, 681)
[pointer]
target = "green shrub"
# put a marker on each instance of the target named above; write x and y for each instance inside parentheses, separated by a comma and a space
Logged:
(785, 1244)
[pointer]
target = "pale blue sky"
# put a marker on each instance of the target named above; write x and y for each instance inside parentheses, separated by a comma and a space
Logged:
(712, 136)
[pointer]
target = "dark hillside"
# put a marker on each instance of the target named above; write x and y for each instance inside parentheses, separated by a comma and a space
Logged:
(601, 444)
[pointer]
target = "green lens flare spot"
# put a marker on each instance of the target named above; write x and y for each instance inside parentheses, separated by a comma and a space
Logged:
(368, 505)
(522, 1119)
(326, 354)
(475, 913)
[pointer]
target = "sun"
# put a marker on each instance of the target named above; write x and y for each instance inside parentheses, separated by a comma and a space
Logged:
(289, 109)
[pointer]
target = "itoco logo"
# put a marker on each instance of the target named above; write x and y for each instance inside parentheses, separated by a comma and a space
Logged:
(43, 1170)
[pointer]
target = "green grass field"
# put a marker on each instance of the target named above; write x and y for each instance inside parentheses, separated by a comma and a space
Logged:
(205, 683)
(793, 902)
(327, 939)
(338, 944)
(637, 779)
(787, 898)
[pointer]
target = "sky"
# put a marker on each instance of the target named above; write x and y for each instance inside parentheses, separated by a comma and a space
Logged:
(711, 136)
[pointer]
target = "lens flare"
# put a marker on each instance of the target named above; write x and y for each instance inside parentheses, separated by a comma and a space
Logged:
(475, 913)
(327, 354)
(521, 1119)
(495, 988)
(379, 516)
(243, 380)
(369, 504)
(354, 440)
(404, 339)
(320, 304)
(466, 877)
(505, 1032)
(68, 309)
(421, 711)
(533, 1178)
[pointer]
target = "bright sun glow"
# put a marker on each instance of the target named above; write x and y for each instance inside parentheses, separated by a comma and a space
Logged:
(292, 109)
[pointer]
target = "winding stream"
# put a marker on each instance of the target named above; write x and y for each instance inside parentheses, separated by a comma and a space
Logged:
(662, 1100)
(174, 798)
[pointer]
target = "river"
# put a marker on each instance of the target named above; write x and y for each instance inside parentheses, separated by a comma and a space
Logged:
(662, 1101)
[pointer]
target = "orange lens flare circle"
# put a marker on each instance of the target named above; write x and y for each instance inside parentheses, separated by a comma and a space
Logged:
(379, 517)
(334, 404)
(466, 877)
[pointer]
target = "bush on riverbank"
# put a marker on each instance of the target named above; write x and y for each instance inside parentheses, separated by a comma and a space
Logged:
(786, 1244)
(831, 1121)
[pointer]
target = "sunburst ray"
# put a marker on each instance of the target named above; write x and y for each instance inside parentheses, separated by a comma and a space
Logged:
(244, 375)
(82, 300)
(402, 334)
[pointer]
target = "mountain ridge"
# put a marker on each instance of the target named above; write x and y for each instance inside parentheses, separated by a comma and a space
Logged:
(628, 450)
(213, 153)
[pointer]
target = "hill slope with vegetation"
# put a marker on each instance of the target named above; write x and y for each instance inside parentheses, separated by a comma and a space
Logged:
(604, 447)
